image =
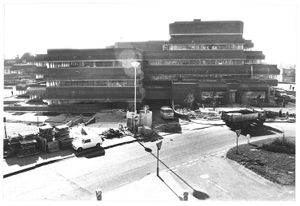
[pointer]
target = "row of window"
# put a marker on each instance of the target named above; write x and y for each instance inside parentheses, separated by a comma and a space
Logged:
(212, 95)
(175, 47)
(196, 62)
(197, 76)
(253, 61)
(151, 62)
(81, 64)
(102, 83)
(264, 76)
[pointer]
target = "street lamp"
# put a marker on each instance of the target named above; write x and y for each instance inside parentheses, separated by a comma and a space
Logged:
(135, 65)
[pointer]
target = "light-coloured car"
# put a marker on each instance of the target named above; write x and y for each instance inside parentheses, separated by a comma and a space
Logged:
(80, 144)
(85, 139)
(166, 112)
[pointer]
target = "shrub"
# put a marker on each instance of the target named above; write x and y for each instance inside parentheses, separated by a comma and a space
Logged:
(280, 145)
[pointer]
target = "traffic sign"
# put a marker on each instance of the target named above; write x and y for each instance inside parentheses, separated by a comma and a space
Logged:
(238, 132)
(136, 117)
(159, 145)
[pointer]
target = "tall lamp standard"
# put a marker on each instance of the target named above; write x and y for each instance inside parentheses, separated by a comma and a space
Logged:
(135, 65)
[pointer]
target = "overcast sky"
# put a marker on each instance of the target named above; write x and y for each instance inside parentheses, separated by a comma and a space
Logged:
(35, 27)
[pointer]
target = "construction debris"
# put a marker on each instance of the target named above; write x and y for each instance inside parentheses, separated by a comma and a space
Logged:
(111, 133)
(185, 113)
(62, 135)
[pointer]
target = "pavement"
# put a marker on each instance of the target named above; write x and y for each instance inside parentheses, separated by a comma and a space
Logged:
(149, 188)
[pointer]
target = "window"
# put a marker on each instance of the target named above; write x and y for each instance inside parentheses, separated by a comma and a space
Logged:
(86, 141)
(193, 46)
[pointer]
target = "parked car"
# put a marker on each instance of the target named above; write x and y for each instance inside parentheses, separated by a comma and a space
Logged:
(166, 112)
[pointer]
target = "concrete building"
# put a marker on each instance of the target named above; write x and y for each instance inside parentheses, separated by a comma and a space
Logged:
(203, 62)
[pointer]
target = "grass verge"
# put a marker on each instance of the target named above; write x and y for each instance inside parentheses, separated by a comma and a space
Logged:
(274, 159)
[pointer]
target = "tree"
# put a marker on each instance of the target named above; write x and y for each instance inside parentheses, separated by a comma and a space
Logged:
(27, 57)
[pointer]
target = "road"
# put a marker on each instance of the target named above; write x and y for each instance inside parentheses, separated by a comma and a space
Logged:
(78, 178)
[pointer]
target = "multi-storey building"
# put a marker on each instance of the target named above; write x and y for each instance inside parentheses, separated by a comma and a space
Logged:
(203, 62)
(90, 75)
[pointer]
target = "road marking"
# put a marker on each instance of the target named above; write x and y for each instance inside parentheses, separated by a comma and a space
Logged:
(205, 176)
(191, 161)
(218, 186)
(184, 163)
(191, 164)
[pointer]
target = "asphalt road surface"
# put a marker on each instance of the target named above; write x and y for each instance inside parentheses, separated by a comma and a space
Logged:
(79, 177)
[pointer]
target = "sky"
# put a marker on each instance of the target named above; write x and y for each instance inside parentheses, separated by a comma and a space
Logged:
(36, 26)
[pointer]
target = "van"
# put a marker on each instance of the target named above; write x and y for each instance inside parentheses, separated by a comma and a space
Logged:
(166, 112)
(85, 139)
(80, 144)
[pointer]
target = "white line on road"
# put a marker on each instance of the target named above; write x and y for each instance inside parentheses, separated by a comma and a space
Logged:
(191, 164)
(205, 176)
(218, 186)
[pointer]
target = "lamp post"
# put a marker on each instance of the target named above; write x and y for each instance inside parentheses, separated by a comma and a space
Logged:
(135, 65)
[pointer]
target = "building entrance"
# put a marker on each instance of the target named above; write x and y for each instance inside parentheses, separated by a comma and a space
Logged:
(232, 96)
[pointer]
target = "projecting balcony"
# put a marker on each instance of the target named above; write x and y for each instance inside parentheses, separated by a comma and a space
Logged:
(254, 55)
(248, 44)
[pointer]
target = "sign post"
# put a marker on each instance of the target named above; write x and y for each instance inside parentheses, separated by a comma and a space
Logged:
(158, 148)
(238, 133)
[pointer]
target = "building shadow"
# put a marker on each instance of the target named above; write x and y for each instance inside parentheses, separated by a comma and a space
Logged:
(22, 161)
(259, 131)
(91, 152)
(60, 153)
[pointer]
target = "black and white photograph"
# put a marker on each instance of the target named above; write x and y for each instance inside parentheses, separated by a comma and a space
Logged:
(149, 101)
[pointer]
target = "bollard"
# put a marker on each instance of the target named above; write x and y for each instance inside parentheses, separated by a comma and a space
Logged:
(185, 196)
(99, 194)
(248, 138)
